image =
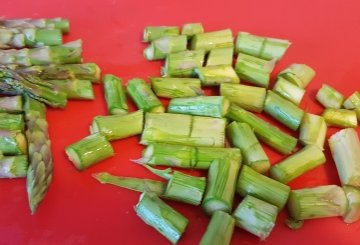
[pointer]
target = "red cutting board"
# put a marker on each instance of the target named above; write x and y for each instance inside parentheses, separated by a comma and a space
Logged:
(79, 210)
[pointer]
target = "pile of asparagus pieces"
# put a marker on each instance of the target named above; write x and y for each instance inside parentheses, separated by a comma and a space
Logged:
(36, 68)
(191, 135)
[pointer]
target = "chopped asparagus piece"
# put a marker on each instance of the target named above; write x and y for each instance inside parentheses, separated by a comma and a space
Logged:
(266, 133)
(353, 101)
(297, 164)
(156, 213)
(89, 151)
(182, 64)
(352, 213)
(206, 155)
(12, 104)
(159, 48)
(283, 110)
(260, 186)
(168, 87)
(289, 90)
(345, 149)
(192, 29)
(210, 106)
(313, 130)
(256, 216)
(143, 96)
(216, 75)
(294, 224)
(341, 118)
(243, 137)
(116, 127)
(298, 74)
(210, 131)
(317, 202)
(210, 40)
(220, 56)
(12, 122)
(54, 23)
(12, 142)
(248, 97)
(74, 88)
(115, 96)
(329, 97)
(152, 33)
(220, 229)
(13, 166)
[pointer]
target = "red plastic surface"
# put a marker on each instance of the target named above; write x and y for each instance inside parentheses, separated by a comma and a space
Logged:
(79, 210)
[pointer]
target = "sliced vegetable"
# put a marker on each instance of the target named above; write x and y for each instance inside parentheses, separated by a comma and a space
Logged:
(152, 33)
(192, 29)
(353, 101)
(74, 88)
(182, 64)
(220, 56)
(341, 118)
(12, 142)
(329, 97)
(352, 213)
(313, 130)
(289, 90)
(13, 166)
(168, 87)
(12, 122)
(298, 74)
(210, 40)
(115, 96)
(159, 48)
(216, 75)
(56, 23)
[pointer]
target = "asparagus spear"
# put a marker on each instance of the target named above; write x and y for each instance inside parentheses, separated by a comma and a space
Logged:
(152, 33)
(160, 48)
(313, 130)
(329, 97)
(192, 29)
(182, 64)
(13, 166)
(168, 87)
(216, 75)
(14, 122)
(210, 40)
(115, 95)
(12, 104)
(12, 142)
(74, 88)
(298, 74)
(54, 23)
(220, 56)
(352, 213)
(353, 101)
(289, 90)
(341, 118)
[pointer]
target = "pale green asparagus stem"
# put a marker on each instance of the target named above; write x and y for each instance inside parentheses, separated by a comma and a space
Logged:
(13, 166)
(152, 33)
(182, 64)
(298, 74)
(210, 40)
(54, 23)
(168, 87)
(313, 130)
(220, 56)
(115, 95)
(12, 142)
(216, 75)
(192, 29)
(74, 88)
(289, 90)
(329, 97)
(352, 213)
(160, 48)
(341, 118)
(353, 101)
(12, 122)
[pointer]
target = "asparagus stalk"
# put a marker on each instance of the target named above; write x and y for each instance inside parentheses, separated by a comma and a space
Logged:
(159, 48)
(13, 166)
(182, 64)
(115, 96)
(341, 118)
(317, 202)
(29, 37)
(297, 164)
(210, 106)
(206, 155)
(298, 74)
(216, 75)
(152, 33)
(243, 137)
(12, 122)
(156, 213)
(313, 130)
(265, 132)
(262, 47)
(254, 70)
(256, 216)
(209, 131)
(12, 142)
(352, 213)
(283, 110)
(143, 96)
(260, 186)
(353, 101)
(211, 40)
(54, 23)
(221, 185)
(40, 171)
(329, 97)
(192, 29)
(116, 127)
(289, 90)
(74, 88)
(220, 56)
(11, 104)
(62, 54)
(220, 229)
(248, 97)
(168, 87)
(88, 151)
(345, 149)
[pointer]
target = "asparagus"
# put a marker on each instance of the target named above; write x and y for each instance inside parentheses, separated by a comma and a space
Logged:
(260, 186)
(216, 75)
(143, 96)
(221, 184)
(352, 213)
(115, 96)
(345, 149)
(242, 136)
(329, 97)
(12, 122)
(160, 48)
(74, 88)
(89, 150)
(283, 110)
(210, 106)
(156, 213)
(182, 64)
(192, 29)
(341, 118)
(40, 171)
(29, 37)
(297, 164)
(289, 90)
(317, 202)
(116, 127)
(62, 54)
(220, 56)
(298, 74)
(256, 216)
(11, 104)
(152, 33)
(168, 87)
(12, 142)
(353, 101)
(262, 47)
(248, 97)
(210, 40)
(266, 133)
(54, 23)
(32, 86)
(313, 130)
(13, 166)
(219, 230)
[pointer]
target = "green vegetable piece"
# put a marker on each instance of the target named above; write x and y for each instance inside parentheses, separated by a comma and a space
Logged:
(13, 166)
(220, 56)
(182, 64)
(115, 96)
(289, 90)
(329, 97)
(160, 48)
(341, 118)
(313, 130)
(352, 213)
(210, 40)
(152, 33)
(216, 75)
(168, 87)
(298, 74)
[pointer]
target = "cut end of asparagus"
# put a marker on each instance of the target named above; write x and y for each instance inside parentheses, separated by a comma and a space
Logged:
(212, 205)
(341, 118)
(329, 97)
(352, 213)
(74, 157)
